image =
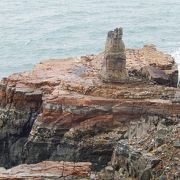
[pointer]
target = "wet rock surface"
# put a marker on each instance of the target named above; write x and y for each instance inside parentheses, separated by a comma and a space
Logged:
(63, 111)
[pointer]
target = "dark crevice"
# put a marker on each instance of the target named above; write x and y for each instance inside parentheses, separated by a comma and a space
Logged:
(29, 124)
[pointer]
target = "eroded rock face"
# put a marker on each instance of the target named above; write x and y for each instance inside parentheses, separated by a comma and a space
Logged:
(149, 156)
(63, 111)
(19, 108)
(114, 62)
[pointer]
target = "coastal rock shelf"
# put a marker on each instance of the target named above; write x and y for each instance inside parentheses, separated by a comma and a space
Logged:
(63, 111)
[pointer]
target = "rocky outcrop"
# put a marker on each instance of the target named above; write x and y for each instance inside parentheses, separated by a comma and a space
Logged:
(114, 62)
(155, 74)
(62, 111)
(152, 155)
(150, 64)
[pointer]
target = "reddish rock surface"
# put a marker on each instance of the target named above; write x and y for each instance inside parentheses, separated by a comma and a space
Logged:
(48, 169)
(81, 74)
(61, 110)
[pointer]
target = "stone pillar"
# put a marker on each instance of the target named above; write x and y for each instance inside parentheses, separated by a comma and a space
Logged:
(114, 62)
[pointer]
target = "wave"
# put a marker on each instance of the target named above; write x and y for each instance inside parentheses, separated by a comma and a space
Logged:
(176, 56)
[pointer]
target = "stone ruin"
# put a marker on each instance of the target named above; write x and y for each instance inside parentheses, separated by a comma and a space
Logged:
(114, 62)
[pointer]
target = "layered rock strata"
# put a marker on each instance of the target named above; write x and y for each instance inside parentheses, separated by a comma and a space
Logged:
(114, 62)
(48, 170)
(62, 111)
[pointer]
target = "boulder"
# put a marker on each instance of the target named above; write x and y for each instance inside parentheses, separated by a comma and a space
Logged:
(155, 74)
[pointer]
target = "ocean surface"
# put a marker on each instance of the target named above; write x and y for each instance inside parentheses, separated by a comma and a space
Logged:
(34, 30)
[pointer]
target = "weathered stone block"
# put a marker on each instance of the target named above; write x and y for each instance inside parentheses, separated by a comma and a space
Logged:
(114, 63)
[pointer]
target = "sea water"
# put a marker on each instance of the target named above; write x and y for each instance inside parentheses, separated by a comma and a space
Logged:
(33, 30)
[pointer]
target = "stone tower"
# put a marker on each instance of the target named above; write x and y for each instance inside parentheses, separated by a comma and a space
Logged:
(114, 62)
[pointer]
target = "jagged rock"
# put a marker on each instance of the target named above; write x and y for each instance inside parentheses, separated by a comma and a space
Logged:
(155, 74)
(114, 63)
(136, 160)
(148, 56)
(137, 164)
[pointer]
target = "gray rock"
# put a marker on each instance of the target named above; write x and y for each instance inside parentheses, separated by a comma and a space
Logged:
(159, 141)
(114, 63)
(155, 74)
(176, 144)
(138, 164)
(123, 149)
(146, 175)
(163, 178)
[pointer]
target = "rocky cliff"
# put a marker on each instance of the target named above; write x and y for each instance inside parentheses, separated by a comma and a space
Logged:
(62, 111)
